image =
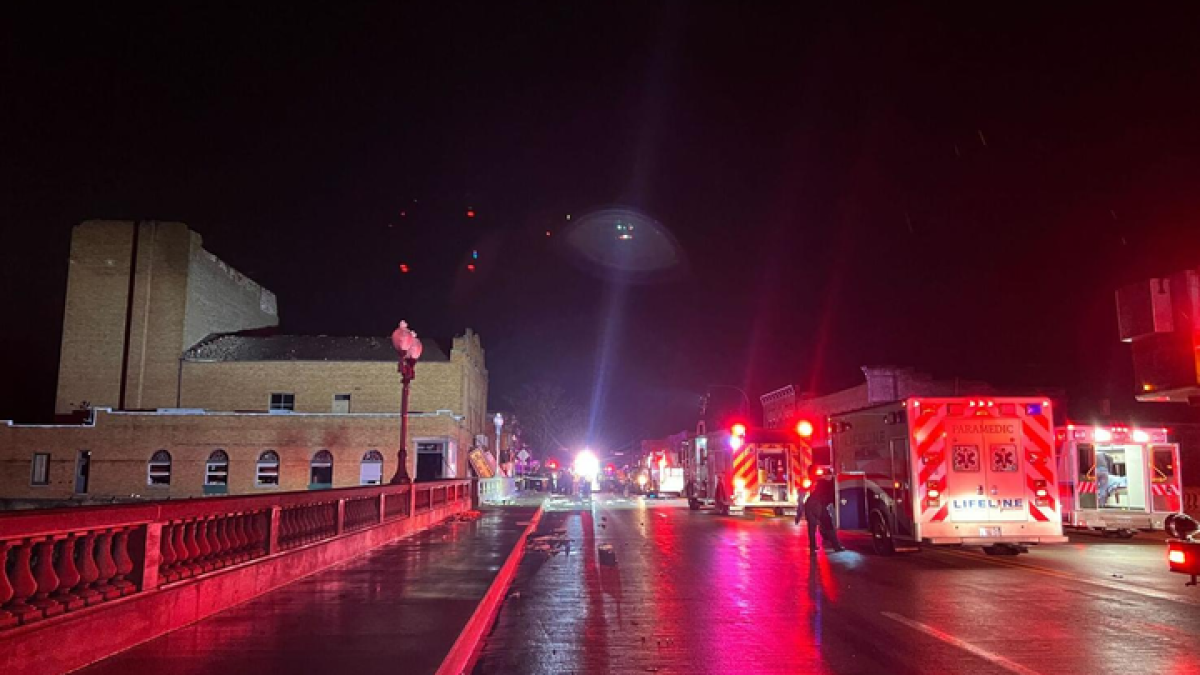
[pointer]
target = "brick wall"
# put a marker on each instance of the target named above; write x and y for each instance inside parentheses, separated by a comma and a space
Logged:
(122, 444)
(179, 291)
(222, 300)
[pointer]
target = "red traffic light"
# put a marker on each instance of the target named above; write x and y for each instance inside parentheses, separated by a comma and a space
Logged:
(804, 428)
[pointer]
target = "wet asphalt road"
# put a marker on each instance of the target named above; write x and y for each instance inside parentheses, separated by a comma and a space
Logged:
(695, 592)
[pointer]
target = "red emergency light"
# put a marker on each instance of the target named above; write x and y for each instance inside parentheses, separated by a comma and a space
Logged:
(804, 428)
(552, 465)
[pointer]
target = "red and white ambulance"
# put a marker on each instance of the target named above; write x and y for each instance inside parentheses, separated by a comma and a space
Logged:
(963, 470)
(1117, 478)
(747, 468)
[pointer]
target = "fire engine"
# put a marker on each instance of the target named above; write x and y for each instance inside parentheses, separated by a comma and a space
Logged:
(975, 471)
(744, 468)
(1117, 479)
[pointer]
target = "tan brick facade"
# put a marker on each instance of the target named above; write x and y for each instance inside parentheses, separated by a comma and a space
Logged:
(195, 383)
(121, 445)
(174, 292)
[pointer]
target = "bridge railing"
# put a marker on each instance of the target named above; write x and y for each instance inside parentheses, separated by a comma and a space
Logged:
(57, 561)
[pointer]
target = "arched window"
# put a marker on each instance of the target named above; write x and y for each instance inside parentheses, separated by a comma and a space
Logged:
(266, 472)
(158, 472)
(371, 472)
(321, 471)
(216, 473)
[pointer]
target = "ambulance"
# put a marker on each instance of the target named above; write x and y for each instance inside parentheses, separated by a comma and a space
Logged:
(744, 468)
(1117, 479)
(972, 471)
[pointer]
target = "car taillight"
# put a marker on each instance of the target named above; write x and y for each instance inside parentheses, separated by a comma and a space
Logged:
(1178, 557)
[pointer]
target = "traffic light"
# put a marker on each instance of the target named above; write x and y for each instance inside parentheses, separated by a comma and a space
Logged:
(804, 428)
(737, 436)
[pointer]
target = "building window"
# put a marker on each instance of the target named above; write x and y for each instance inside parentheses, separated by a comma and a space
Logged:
(216, 473)
(40, 474)
(159, 470)
(281, 401)
(266, 473)
(371, 472)
(341, 403)
(321, 471)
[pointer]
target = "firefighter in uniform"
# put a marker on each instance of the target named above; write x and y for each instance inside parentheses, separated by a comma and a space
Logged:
(816, 511)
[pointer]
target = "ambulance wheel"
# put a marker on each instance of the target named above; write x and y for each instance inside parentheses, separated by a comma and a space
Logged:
(881, 535)
(694, 504)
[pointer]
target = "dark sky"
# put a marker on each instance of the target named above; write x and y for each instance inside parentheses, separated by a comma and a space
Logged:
(960, 192)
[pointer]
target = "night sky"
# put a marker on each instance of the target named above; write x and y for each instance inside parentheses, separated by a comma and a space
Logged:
(960, 192)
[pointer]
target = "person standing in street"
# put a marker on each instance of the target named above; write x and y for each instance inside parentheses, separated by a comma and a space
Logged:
(816, 511)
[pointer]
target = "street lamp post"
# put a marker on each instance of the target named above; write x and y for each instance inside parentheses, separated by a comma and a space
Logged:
(739, 390)
(408, 350)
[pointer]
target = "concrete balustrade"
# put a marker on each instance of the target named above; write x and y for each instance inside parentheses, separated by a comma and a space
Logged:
(64, 573)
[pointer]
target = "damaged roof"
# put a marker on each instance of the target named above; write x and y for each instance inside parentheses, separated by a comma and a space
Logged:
(236, 347)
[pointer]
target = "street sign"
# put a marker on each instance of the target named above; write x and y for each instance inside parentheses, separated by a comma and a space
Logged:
(523, 455)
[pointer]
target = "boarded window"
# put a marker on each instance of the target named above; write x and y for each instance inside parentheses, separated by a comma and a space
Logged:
(216, 469)
(266, 471)
(158, 472)
(371, 472)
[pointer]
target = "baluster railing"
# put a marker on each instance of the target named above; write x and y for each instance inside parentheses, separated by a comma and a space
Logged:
(24, 584)
(7, 619)
(50, 566)
(47, 580)
(68, 575)
(123, 561)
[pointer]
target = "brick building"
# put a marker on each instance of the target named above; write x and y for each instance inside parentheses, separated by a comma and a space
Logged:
(171, 384)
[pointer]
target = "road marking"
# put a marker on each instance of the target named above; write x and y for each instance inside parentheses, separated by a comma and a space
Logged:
(1103, 583)
(949, 639)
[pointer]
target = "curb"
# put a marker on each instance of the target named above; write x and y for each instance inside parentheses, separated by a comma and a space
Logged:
(465, 650)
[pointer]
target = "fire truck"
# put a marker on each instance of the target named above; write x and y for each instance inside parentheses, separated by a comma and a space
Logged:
(1117, 479)
(974, 471)
(744, 468)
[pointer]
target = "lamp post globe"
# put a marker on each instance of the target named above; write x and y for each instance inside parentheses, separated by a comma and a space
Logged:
(408, 350)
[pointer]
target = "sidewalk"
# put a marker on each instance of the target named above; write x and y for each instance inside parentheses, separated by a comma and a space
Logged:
(398, 608)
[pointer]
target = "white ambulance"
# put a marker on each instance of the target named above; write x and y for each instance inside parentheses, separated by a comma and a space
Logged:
(965, 470)
(1117, 479)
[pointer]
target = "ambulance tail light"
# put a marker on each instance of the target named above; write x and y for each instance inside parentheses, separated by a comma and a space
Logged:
(806, 484)
(1177, 557)
(933, 493)
(1041, 496)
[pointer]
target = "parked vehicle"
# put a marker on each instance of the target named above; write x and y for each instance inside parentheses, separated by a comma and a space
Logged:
(1117, 479)
(963, 470)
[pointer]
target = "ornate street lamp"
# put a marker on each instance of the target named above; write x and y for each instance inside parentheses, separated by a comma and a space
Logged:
(408, 349)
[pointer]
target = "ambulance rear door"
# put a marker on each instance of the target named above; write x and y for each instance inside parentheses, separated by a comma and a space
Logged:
(986, 476)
